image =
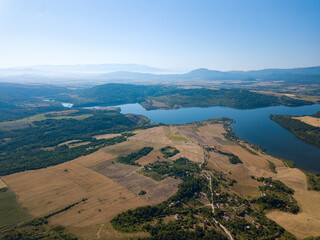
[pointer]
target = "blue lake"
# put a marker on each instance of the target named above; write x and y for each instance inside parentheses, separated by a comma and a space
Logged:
(252, 125)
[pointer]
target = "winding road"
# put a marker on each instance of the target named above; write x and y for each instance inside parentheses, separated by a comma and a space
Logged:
(208, 177)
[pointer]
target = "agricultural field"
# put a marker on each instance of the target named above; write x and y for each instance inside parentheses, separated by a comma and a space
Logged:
(313, 121)
(2, 184)
(155, 191)
(10, 211)
(106, 136)
(87, 193)
(28, 122)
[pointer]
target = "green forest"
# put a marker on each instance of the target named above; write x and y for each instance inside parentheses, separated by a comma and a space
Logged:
(305, 132)
(133, 157)
(38, 147)
(169, 151)
(194, 220)
(115, 94)
(242, 99)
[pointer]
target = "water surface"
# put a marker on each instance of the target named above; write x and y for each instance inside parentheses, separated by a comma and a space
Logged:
(67, 105)
(253, 125)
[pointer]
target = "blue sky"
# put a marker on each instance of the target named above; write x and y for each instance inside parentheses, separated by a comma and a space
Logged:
(174, 34)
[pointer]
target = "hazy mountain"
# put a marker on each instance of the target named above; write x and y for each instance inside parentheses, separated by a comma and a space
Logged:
(87, 68)
(100, 73)
(311, 73)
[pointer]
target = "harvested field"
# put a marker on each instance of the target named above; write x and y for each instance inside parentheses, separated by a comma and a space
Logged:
(304, 224)
(126, 175)
(73, 143)
(106, 136)
(207, 135)
(313, 121)
(307, 222)
(249, 160)
(47, 190)
(68, 142)
(117, 171)
(126, 148)
(212, 130)
(158, 104)
(256, 165)
(193, 152)
(44, 191)
(245, 185)
(2, 184)
(153, 135)
(112, 187)
(152, 157)
(94, 159)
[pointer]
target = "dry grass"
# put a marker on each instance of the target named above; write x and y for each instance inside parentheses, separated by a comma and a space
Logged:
(71, 144)
(115, 187)
(159, 104)
(211, 135)
(304, 224)
(2, 184)
(307, 222)
(152, 157)
(152, 137)
(106, 136)
(256, 165)
(68, 142)
(47, 190)
(245, 186)
(106, 232)
(94, 159)
(192, 152)
(26, 122)
(177, 138)
(61, 113)
(313, 121)
(126, 175)
(156, 135)
(126, 148)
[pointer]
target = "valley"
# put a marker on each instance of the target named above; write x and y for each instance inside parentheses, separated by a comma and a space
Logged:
(159, 120)
(181, 161)
(98, 188)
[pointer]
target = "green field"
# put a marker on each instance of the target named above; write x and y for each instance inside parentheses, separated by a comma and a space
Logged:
(10, 212)
(178, 138)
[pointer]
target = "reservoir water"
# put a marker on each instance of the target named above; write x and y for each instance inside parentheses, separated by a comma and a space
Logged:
(253, 125)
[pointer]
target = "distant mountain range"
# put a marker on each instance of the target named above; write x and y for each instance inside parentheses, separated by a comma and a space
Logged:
(87, 68)
(264, 74)
(294, 74)
(143, 73)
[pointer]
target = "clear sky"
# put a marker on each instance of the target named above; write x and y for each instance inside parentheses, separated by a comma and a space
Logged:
(175, 34)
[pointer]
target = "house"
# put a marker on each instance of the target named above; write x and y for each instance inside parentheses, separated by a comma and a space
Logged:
(227, 218)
